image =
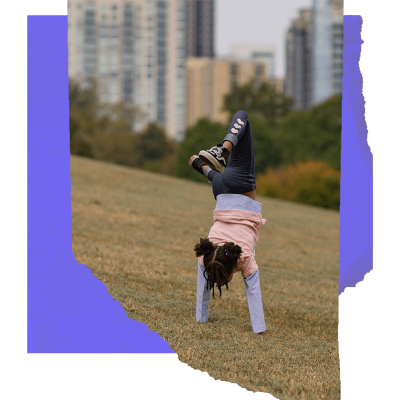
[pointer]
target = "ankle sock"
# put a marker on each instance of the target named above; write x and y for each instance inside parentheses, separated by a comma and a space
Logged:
(225, 150)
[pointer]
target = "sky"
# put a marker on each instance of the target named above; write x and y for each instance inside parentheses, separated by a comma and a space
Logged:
(255, 21)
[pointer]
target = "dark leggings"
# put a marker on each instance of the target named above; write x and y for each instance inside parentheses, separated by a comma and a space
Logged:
(239, 176)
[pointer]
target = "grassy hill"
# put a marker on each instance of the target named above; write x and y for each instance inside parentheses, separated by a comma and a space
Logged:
(136, 231)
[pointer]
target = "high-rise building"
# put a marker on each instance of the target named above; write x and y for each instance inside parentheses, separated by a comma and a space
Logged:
(321, 63)
(314, 49)
(200, 16)
(327, 54)
(209, 80)
(337, 45)
(298, 60)
(256, 52)
(135, 50)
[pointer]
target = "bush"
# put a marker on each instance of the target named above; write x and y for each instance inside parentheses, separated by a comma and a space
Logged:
(153, 145)
(166, 166)
(311, 182)
(311, 134)
(81, 145)
(117, 148)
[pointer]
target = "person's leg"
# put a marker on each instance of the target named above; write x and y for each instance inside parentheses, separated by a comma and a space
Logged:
(217, 156)
(239, 176)
(228, 145)
(198, 165)
(203, 295)
(237, 128)
(254, 302)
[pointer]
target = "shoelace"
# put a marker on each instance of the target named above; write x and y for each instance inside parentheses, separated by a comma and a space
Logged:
(217, 150)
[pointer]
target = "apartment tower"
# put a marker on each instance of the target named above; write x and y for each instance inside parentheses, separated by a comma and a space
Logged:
(298, 60)
(135, 50)
(208, 80)
(314, 52)
(200, 28)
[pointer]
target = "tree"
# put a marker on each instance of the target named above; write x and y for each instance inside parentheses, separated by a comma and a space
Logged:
(201, 136)
(118, 117)
(102, 131)
(83, 106)
(153, 145)
(263, 99)
(267, 151)
(313, 134)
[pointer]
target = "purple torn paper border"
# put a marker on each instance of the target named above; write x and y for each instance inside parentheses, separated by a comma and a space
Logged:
(69, 310)
(355, 233)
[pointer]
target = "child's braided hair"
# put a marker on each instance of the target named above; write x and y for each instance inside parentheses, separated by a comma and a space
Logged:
(219, 262)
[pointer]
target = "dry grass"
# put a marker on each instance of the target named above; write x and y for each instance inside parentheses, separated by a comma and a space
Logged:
(136, 231)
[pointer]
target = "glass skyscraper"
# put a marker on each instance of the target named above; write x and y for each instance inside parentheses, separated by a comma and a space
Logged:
(314, 51)
(321, 59)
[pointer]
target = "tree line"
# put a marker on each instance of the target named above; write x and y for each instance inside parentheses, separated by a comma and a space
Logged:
(105, 132)
(297, 151)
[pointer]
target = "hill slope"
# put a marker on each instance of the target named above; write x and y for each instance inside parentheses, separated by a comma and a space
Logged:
(136, 231)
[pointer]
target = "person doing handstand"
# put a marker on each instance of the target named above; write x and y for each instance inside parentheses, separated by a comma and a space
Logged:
(231, 242)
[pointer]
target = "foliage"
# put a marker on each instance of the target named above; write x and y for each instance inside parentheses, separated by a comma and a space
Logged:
(89, 119)
(311, 182)
(165, 166)
(153, 145)
(263, 99)
(104, 132)
(267, 151)
(201, 136)
(117, 148)
(312, 134)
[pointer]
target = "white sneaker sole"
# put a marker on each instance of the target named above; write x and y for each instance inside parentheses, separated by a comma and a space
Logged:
(207, 158)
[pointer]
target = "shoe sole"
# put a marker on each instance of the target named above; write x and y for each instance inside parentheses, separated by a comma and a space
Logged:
(211, 161)
(201, 173)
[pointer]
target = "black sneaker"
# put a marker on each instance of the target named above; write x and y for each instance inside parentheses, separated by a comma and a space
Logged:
(197, 165)
(215, 158)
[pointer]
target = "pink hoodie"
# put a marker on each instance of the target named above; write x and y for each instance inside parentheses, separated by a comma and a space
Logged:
(238, 226)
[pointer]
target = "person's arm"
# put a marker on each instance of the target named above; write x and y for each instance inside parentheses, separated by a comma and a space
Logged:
(203, 295)
(254, 302)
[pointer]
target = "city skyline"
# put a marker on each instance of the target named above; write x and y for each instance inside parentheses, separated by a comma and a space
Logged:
(262, 22)
(136, 50)
(257, 22)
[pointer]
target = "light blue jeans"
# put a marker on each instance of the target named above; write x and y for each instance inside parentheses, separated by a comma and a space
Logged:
(253, 296)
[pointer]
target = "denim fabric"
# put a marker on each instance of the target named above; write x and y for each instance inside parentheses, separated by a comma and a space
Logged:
(239, 176)
(253, 296)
